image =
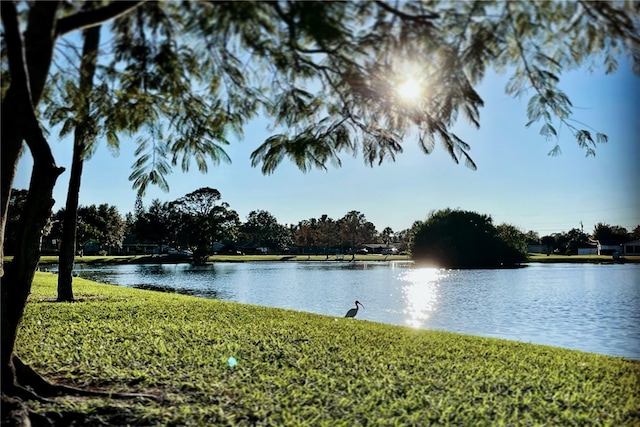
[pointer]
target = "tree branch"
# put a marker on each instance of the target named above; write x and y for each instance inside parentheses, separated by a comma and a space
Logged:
(618, 21)
(91, 18)
(15, 56)
(406, 16)
(521, 52)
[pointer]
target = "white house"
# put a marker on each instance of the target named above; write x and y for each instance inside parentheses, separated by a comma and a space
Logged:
(588, 250)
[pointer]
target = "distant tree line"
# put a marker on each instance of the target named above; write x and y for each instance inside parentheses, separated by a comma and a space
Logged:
(202, 222)
(568, 243)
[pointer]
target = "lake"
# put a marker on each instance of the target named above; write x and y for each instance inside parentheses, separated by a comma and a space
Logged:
(588, 307)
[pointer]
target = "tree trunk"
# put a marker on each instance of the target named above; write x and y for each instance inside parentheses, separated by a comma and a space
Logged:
(24, 90)
(20, 123)
(29, 61)
(69, 229)
(69, 226)
(11, 148)
(16, 283)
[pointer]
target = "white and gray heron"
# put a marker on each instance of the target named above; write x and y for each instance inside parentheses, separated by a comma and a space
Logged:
(353, 311)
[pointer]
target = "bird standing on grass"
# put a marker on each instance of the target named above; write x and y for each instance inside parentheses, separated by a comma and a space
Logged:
(353, 311)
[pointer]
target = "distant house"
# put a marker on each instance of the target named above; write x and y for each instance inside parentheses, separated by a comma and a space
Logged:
(631, 248)
(588, 249)
(538, 249)
(252, 249)
(607, 247)
(379, 248)
(131, 246)
(49, 246)
(91, 248)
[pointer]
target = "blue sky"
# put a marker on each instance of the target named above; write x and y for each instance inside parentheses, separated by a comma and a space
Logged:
(516, 181)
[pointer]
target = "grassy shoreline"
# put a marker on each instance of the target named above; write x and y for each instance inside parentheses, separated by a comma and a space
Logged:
(296, 368)
(172, 259)
(584, 259)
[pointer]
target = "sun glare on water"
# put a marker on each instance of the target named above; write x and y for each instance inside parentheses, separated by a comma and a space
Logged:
(421, 294)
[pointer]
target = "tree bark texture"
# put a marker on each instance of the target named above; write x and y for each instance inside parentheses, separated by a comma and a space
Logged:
(16, 283)
(20, 96)
(19, 123)
(69, 229)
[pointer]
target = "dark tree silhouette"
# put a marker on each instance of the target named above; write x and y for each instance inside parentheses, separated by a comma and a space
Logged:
(464, 239)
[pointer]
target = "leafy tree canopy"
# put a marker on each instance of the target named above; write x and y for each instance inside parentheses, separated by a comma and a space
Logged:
(204, 219)
(464, 239)
(569, 242)
(182, 76)
(154, 224)
(262, 228)
(609, 234)
(101, 224)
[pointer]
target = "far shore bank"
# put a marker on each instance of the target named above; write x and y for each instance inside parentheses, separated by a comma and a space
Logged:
(179, 259)
(589, 259)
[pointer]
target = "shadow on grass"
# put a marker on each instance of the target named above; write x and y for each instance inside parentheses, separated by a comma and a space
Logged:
(110, 415)
(208, 293)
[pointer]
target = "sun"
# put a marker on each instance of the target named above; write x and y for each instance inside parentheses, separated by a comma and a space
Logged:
(409, 90)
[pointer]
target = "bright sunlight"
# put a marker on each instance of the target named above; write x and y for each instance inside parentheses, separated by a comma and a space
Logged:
(409, 90)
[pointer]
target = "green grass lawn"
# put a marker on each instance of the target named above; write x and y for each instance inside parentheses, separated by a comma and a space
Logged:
(295, 368)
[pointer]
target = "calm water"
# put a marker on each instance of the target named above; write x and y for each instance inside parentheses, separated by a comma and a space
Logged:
(594, 308)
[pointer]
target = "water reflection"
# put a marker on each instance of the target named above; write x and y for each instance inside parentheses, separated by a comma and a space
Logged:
(420, 294)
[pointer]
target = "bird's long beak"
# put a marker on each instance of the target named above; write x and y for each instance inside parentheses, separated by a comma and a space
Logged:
(361, 305)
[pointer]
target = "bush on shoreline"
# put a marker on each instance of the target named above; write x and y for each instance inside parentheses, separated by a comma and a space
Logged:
(463, 239)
